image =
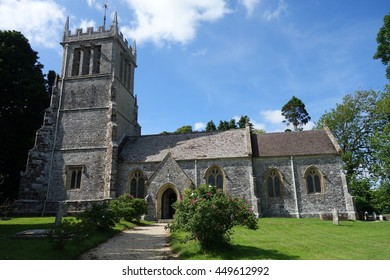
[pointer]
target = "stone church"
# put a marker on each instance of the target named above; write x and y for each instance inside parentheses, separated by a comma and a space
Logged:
(90, 148)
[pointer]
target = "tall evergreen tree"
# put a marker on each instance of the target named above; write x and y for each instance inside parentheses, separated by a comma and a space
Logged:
(243, 121)
(23, 99)
(211, 126)
(232, 124)
(295, 113)
(223, 125)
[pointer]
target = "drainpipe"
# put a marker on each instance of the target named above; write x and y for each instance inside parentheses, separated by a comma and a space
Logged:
(64, 66)
(196, 173)
(295, 187)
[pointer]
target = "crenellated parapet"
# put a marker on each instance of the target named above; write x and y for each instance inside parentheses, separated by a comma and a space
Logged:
(101, 33)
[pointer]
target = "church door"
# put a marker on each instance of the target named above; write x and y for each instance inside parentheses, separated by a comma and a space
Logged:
(168, 198)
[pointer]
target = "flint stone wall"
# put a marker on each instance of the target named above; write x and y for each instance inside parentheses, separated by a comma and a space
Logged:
(309, 205)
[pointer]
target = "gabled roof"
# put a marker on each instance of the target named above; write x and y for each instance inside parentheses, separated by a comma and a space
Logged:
(313, 142)
(198, 145)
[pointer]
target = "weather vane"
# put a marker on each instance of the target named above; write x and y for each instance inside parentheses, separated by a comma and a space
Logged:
(105, 6)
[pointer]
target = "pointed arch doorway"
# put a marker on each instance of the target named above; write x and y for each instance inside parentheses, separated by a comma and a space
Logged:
(167, 195)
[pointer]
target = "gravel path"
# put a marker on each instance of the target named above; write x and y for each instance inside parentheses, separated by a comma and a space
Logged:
(141, 243)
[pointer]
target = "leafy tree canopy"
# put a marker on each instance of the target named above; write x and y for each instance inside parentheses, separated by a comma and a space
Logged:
(361, 126)
(184, 129)
(383, 39)
(23, 98)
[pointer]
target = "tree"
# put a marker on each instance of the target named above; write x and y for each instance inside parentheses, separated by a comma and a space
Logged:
(244, 121)
(211, 126)
(383, 39)
(232, 124)
(359, 124)
(223, 125)
(51, 77)
(184, 129)
(23, 99)
(380, 140)
(295, 113)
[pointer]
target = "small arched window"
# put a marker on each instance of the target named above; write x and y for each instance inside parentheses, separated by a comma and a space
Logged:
(314, 180)
(214, 177)
(137, 184)
(274, 183)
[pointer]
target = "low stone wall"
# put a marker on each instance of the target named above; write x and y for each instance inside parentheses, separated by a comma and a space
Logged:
(35, 208)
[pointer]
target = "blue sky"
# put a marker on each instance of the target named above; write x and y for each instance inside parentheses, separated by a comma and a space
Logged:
(202, 60)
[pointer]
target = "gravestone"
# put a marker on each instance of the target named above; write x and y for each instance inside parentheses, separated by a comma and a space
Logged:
(335, 215)
(380, 218)
(374, 216)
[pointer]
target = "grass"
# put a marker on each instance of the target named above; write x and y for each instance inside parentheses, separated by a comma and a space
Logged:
(303, 239)
(40, 248)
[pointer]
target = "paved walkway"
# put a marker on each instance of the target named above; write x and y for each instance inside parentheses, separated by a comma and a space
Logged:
(141, 243)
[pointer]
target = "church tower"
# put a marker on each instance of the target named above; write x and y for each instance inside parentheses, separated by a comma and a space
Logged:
(93, 108)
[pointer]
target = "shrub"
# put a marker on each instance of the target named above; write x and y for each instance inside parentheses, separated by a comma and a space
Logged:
(6, 208)
(99, 216)
(128, 207)
(70, 230)
(209, 216)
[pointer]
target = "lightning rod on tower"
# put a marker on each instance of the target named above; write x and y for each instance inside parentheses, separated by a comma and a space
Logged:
(105, 6)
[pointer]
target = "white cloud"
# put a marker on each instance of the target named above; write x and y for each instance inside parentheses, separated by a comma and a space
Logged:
(171, 20)
(272, 116)
(201, 52)
(91, 3)
(86, 23)
(41, 21)
(97, 4)
(272, 121)
(276, 13)
(258, 125)
(250, 6)
(199, 126)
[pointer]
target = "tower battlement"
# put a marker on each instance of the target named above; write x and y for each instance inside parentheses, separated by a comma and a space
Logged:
(101, 33)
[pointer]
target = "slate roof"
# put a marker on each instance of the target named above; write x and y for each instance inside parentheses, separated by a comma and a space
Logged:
(199, 145)
(313, 142)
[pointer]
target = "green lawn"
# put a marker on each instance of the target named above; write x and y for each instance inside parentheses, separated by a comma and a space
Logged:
(40, 248)
(299, 239)
(276, 238)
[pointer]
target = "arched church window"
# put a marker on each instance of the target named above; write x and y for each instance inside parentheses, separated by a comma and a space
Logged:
(314, 180)
(214, 177)
(137, 184)
(274, 183)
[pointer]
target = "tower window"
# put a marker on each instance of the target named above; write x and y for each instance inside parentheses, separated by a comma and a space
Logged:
(73, 177)
(76, 62)
(97, 53)
(86, 61)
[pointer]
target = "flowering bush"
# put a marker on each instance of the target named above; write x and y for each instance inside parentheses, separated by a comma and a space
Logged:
(209, 215)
